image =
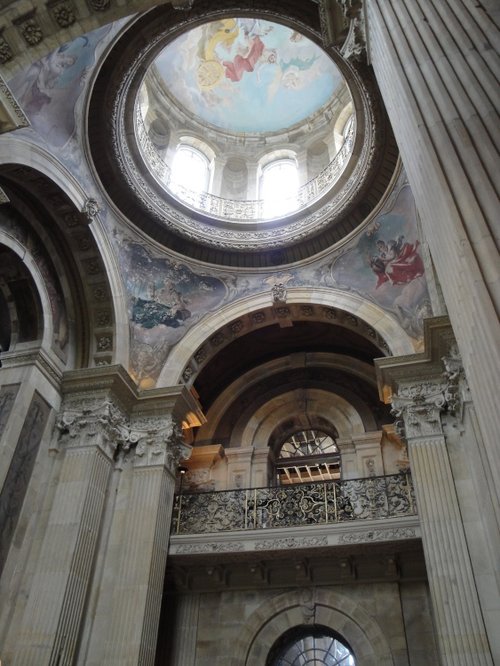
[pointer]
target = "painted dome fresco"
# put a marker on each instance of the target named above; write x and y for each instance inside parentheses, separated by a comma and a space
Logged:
(234, 139)
(248, 75)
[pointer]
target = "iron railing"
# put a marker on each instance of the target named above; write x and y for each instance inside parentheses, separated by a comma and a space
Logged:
(320, 503)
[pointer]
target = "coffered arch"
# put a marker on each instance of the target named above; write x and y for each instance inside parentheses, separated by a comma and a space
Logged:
(218, 329)
(50, 212)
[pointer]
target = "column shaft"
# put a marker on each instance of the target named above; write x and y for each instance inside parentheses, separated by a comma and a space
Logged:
(438, 72)
(53, 613)
(186, 629)
(138, 589)
(460, 629)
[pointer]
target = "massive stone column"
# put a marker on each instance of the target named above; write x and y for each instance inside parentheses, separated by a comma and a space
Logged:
(437, 67)
(129, 589)
(422, 393)
(139, 571)
(87, 433)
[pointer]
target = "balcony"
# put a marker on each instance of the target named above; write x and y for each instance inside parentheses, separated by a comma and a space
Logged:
(323, 503)
(297, 533)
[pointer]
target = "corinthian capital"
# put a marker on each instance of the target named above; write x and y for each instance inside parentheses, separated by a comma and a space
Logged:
(157, 441)
(91, 422)
(417, 409)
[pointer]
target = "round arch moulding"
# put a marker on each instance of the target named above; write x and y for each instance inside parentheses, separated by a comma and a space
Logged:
(362, 313)
(327, 608)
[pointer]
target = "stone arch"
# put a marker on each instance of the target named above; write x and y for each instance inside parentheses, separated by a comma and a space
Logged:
(257, 430)
(45, 327)
(206, 338)
(335, 362)
(79, 224)
(328, 608)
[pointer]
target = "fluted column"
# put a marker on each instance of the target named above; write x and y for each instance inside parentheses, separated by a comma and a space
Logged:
(87, 432)
(156, 446)
(186, 630)
(461, 634)
(438, 70)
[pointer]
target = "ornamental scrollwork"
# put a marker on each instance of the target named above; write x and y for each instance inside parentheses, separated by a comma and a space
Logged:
(296, 505)
(418, 407)
(99, 422)
(378, 535)
(457, 388)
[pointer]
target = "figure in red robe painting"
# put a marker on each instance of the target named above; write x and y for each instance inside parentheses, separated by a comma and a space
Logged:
(397, 262)
(241, 64)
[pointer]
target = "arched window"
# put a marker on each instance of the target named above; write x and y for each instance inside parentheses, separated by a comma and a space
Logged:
(308, 456)
(190, 169)
(310, 646)
(279, 183)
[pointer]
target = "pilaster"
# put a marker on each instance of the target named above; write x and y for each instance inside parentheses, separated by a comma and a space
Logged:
(86, 436)
(423, 391)
(125, 625)
(437, 69)
(186, 628)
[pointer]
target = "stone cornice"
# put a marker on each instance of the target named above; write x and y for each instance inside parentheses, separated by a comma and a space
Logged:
(38, 357)
(301, 538)
(115, 380)
(392, 372)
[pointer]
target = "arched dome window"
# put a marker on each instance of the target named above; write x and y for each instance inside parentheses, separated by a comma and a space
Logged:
(305, 646)
(308, 456)
(279, 184)
(190, 170)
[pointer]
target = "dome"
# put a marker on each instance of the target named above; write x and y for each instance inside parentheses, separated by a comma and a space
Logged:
(274, 103)
(238, 140)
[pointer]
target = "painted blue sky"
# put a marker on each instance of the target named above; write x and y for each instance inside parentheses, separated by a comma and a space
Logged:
(248, 75)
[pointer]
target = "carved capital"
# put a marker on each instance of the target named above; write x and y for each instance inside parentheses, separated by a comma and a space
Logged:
(457, 388)
(417, 409)
(91, 422)
(343, 25)
(157, 441)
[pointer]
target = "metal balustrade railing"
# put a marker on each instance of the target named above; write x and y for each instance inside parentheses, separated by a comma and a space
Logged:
(245, 210)
(380, 497)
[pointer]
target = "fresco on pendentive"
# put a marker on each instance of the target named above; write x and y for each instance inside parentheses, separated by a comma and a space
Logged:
(384, 264)
(166, 297)
(49, 89)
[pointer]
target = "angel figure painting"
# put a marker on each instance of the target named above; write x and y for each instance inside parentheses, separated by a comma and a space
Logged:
(385, 264)
(248, 75)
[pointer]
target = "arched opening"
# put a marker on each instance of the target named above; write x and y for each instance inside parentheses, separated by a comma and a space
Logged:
(310, 646)
(279, 183)
(190, 170)
(308, 455)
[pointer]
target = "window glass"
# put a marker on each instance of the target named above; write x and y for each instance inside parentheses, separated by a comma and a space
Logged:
(190, 170)
(278, 188)
(308, 456)
(313, 647)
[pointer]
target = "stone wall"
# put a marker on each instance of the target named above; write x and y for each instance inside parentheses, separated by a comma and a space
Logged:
(384, 623)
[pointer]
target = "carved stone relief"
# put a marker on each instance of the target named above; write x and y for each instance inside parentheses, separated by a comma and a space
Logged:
(19, 473)
(7, 397)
